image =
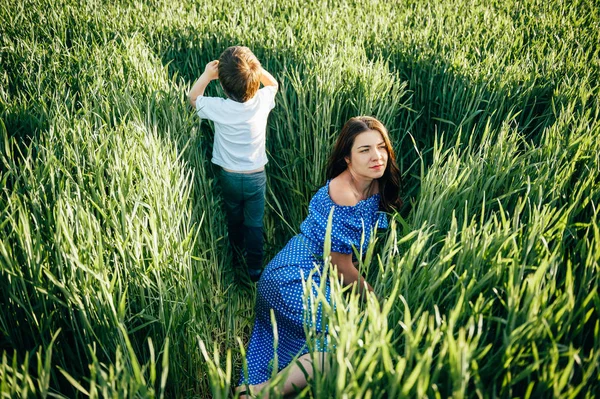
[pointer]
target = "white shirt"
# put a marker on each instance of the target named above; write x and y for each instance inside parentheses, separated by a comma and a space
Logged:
(240, 129)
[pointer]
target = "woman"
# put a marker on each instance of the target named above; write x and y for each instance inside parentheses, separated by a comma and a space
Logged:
(362, 180)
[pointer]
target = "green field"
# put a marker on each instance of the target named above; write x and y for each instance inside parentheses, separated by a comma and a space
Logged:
(115, 274)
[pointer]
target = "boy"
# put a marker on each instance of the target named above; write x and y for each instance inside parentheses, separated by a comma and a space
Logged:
(239, 145)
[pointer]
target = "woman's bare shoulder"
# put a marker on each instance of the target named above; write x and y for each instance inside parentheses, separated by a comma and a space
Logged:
(340, 191)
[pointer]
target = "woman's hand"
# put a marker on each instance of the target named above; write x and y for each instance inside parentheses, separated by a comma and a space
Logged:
(348, 273)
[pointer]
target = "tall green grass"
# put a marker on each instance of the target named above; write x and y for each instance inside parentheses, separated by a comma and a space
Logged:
(116, 277)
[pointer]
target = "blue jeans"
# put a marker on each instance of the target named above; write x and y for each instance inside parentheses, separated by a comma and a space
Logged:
(244, 199)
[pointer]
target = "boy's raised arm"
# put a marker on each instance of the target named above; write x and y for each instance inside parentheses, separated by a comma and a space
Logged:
(211, 72)
(267, 79)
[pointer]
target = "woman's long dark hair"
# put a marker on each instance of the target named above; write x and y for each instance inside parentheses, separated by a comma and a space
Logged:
(389, 183)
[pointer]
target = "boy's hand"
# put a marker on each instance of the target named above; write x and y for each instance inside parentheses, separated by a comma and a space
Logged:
(267, 79)
(212, 70)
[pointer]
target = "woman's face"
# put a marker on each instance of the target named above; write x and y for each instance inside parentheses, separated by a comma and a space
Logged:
(368, 157)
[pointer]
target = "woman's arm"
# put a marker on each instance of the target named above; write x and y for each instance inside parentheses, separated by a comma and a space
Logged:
(348, 273)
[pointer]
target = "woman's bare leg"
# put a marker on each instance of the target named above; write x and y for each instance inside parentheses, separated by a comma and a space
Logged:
(297, 373)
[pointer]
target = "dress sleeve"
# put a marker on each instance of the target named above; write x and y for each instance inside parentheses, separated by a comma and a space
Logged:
(343, 229)
(351, 225)
(343, 226)
(382, 220)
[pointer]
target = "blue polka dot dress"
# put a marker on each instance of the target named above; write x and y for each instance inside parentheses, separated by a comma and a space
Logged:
(280, 287)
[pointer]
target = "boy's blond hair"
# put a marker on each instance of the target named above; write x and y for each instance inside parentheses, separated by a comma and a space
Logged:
(239, 73)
